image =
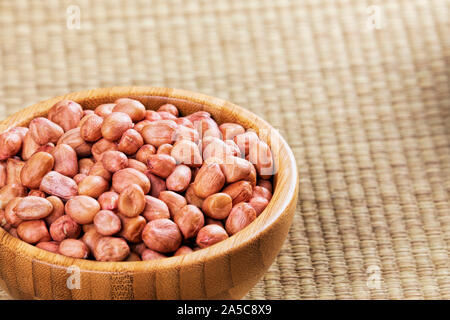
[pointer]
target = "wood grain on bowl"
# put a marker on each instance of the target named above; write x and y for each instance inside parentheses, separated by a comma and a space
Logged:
(227, 270)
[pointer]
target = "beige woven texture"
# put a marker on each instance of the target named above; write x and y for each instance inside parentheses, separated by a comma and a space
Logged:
(360, 89)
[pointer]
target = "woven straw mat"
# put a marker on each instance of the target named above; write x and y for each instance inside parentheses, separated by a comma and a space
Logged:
(360, 90)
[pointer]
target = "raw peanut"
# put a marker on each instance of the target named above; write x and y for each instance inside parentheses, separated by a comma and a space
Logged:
(111, 249)
(183, 121)
(58, 209)
(189, 220)
(179, 179)
(161, 164)
(240, 191)
(102, 146)
(11, 216)
(2, 174)
(144, 152)
(131, 201)
(152, 115)
(66, 161)
(240, 216)
(192, 198)
(104, 110)
(115, 125)
(37, 193)
(157, 184)
(3, 223)
(199, 115)
(64, 228)
(155, 209)
(213, 221)
(130, 142)
(74, 248)
(114, 161)
(44, 131)
(93, 186)
(79, 177)
(10, 144)
(138, 247)
(51, 246)
(139, 166)
(125, 177)
(33, 231)
(232, 146)
(133, 257)
(85, 165)
(99, 170)
(9, 192)
(209, 235)
(132, 228)
(218, 206)
(87, 113)
(261, 156)
(159, 132)
(149, 254)
(206, 141)
(162, 235)
(73, 138)
(252, 177)
(66, 113)
(82, 209)
(187, 152)
(235, 169)
(107, 223)
(13, 232)
(87, 227)
(244, 141)
(134, 108)
(207, 127)
(141, 125)
(22, 131)
(259, 191)
(209, 180)
(266, 184)
(231, 130)
(165, 149)
(91, 129)
(170, 108)
(183, 250)
(166, 115)
(259, 204)
(174, 201)
(33, 208)
(29, 146)
(14, 167)
(217, 148)
(58, 185)
(185, 133)
(91, 237)
(48, 147)
(109, 200)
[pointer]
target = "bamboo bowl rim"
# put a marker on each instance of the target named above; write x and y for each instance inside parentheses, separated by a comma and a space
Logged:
(282, 196)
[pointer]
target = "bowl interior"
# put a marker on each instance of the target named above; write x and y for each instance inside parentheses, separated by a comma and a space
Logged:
(285, 179)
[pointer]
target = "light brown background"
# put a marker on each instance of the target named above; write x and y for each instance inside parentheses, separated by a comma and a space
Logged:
(366, 112)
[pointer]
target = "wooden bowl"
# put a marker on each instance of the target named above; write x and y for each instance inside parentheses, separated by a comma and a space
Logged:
(227, 270)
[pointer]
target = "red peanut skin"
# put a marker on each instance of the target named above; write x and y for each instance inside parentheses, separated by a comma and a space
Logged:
(155, 209)
(210, 235)
(109, 200)
(107, 223)
(179, 179)
(162, 235)
(64, 228)
(111, 249)
(158, 184)
(51, 246)
(240, 216)
(148, 254)
(189, 220)
(74, 248)
(33, 231)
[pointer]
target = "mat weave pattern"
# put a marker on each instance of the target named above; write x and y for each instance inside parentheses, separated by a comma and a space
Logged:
(359, 88)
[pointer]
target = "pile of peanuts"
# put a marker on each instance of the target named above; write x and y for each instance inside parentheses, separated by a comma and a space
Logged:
(122, 183)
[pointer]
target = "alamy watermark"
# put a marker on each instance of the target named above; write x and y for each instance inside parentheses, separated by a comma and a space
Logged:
(73, 17)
